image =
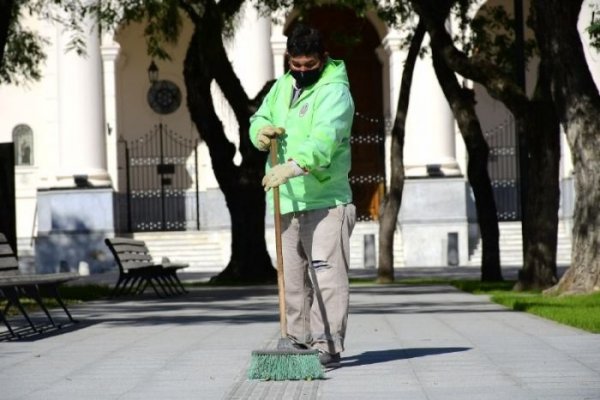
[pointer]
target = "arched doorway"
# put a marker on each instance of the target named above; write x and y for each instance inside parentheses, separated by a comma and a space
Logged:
(355, 40)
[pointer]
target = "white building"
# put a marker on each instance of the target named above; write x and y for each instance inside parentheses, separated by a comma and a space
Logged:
(88, 139)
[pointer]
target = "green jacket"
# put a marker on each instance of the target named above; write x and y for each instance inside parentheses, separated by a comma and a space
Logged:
(317, 136)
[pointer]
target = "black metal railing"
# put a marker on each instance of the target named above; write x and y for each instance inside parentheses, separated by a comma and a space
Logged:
(503, 169)
(162, 182)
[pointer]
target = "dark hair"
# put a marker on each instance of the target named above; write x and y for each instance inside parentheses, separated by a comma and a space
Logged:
(305, 40)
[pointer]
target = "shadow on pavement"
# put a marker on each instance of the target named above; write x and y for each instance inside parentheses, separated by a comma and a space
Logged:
(250, 305)
(24, 333)
(401, 300)
(381, 356)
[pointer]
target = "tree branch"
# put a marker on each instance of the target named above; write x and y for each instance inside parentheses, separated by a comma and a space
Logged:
(190, 11)
(228, 8)
(500, 86)
(222, 69)
(6, 13)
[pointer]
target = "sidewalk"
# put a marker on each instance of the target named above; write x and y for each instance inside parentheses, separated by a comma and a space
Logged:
(416, 342)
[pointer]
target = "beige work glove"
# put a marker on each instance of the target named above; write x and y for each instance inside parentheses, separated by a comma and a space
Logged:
(279, 174)
(265, 134)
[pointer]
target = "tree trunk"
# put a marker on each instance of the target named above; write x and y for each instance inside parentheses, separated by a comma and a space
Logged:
(6, 13)
(543, 193)
(462, 102)
(503, 88)
(577, 103)
(205, 60)
(392, 200)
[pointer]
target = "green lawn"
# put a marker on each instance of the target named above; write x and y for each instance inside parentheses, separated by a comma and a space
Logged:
(580, 311)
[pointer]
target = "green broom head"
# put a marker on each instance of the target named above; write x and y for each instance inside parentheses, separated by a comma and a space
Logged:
(285, 365)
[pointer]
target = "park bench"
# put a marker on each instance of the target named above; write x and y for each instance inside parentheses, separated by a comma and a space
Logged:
(15, 285)
(137, 270)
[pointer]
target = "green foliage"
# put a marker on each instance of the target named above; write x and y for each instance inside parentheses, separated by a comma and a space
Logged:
(398, 14)
(302, 6)
(483, 31)
(23, 56)
(162, 19)
(401, 16)
(23, 52)
(493, 38)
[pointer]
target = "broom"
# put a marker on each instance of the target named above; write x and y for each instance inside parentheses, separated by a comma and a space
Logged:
(286, 362)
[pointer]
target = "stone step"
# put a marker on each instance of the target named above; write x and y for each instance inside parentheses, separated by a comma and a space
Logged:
(511, 247)
(209, 251)
(202, 250)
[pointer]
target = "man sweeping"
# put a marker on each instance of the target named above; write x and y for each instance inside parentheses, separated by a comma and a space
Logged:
(309, 110)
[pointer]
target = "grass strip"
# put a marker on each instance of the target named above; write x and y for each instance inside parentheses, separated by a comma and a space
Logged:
(579, 311)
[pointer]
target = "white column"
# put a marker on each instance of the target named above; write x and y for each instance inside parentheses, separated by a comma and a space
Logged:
(81, 119)
(392, 57)
(110, 53)
(430, 136)
(252, 51)
(392, 44)
(278, 47)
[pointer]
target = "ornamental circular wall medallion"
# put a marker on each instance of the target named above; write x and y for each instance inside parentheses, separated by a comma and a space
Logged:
(164, 97)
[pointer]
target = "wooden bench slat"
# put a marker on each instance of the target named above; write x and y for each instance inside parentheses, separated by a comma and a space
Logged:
(134, 261)
(137, 265)
(120, 248)
(8, 262)
(5, 249)
(135, 257)
(36, 279)
(125, 241)
(12, 280)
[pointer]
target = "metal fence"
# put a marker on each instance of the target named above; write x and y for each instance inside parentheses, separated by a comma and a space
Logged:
(162, 185)
(503, 169)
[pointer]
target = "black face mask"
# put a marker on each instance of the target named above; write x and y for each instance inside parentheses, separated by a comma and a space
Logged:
(306, 78)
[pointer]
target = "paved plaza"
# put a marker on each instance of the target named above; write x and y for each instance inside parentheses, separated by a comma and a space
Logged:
(404, 342)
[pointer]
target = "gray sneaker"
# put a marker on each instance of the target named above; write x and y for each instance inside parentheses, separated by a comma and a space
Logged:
(329, 360)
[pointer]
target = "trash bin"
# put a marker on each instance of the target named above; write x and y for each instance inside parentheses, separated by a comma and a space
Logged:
(369, 251)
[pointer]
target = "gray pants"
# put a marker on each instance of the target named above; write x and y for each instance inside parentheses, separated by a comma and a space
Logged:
(316, 257)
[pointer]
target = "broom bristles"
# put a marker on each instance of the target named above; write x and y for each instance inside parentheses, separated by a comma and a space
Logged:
(283, 365)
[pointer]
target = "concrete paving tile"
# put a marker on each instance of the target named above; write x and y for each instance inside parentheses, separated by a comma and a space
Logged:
(423, 342)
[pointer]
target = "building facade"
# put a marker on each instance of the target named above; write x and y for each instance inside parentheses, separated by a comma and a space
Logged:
(100, 150)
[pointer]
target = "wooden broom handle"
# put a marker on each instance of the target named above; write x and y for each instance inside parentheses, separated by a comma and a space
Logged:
(277, 217)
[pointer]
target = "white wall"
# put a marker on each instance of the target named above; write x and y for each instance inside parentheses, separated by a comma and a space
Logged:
(33, 104)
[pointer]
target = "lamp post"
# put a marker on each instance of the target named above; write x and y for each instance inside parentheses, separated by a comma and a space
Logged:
(153, 73)
(160, 168)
